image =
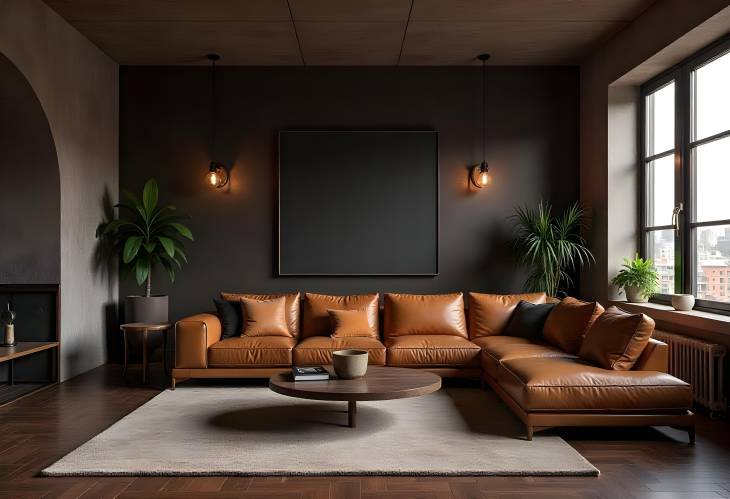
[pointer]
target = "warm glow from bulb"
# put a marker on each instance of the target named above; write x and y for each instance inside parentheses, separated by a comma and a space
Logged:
(217, 176)
(483, 178)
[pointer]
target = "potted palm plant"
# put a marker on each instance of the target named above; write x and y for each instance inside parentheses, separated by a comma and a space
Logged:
(551, 246)
(146, 234)
(638, 278)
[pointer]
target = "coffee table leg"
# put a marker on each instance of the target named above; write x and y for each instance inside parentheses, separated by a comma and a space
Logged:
(352, 413)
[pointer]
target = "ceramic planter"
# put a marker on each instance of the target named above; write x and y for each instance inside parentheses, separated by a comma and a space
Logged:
(634, 295)
(145, 309)
(683, 302)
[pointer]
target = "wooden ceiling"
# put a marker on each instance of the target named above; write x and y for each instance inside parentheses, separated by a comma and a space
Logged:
(348, 32)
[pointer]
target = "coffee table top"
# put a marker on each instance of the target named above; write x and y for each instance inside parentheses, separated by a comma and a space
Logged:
(380, 383)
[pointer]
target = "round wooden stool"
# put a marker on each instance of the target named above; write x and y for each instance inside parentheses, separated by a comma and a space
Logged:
(144, 329)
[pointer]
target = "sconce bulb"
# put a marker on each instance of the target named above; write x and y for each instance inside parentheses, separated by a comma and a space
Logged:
(217, 175)
(483, 179)
(479, 175)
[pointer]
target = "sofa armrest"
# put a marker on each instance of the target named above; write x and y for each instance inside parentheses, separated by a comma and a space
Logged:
(193, 336)
(655, 357)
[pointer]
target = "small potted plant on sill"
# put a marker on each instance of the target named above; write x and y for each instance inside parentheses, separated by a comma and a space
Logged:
(147, 235)
(551, 246)
(638, 278)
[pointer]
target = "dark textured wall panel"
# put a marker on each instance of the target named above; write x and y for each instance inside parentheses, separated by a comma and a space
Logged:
(532, 147)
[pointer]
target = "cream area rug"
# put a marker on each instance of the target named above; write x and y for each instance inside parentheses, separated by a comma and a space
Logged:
(254, 431)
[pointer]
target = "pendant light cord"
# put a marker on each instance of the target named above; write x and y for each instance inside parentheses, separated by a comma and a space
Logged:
(484, 110)
(213, 58)
(212, 108)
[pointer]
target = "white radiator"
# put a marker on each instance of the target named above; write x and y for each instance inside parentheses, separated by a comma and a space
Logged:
(700, 364)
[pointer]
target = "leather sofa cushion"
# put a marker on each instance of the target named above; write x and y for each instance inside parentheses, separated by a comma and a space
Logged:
(435, 350)
(528, 320)
(230, 314)
(348, 323)
(565, 384)
(496, 349)
(317, 350)
(568, 323)
(424, 314)
(264, 317)
(316, 319)
(252, 351)
(489, 314)
(292, 306)
(616, 339)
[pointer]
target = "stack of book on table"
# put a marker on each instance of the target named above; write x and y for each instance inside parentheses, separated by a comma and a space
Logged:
(309, 373)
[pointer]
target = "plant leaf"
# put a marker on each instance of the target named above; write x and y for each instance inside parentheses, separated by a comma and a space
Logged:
(182, 229)
(131, 248)
(168, 244)
(141, 270)
(149, 197)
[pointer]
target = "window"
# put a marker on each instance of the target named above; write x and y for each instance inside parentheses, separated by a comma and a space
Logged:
(686, 177)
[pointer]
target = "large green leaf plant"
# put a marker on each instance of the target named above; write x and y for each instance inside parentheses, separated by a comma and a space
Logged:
(146, 234)
(550, 246)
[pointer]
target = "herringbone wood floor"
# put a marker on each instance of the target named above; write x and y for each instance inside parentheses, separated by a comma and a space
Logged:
(641, 463)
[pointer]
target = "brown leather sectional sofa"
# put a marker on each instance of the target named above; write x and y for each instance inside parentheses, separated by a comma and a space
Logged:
(545, 383)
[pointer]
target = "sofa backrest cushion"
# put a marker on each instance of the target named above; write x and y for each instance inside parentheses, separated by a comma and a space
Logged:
(616, 339)
(568, 323)
(231, 317)
(315, 315)
(489, 313)
(528, 320)
(264, 317)
(349, 323)
(292, 306)
(424, 314)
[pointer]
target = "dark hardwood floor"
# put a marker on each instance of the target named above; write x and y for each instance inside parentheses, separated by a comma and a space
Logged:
(634, 463)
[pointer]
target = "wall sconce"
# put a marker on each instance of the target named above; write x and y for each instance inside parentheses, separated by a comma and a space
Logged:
(217, 175)
(479, 175)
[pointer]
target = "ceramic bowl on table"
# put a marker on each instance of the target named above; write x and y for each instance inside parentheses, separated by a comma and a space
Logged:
(350, 364)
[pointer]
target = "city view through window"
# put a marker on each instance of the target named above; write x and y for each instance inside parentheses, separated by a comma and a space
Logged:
(708, 174)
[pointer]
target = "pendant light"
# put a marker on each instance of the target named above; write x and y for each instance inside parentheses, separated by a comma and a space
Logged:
(217, 175)
(479, 174)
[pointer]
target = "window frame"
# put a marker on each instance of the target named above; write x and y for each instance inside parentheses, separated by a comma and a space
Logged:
(685, 244)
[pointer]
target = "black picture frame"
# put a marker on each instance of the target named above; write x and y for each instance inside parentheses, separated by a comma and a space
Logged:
(414, 251)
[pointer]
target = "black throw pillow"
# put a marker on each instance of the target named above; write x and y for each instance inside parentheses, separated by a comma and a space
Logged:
(528, 319)
(231, 315)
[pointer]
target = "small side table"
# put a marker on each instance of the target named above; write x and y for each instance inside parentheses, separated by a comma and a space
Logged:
(145, 329)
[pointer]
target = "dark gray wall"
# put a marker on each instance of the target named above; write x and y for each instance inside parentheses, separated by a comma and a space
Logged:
(532, 147)
(30, 200)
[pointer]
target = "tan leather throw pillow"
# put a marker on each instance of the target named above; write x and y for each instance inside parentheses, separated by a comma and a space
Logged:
(489, 314)
(316, 318)
(349, 323)
(264, 317)
(292, 306)
(568, 322)
(424, 314)
(616, 339)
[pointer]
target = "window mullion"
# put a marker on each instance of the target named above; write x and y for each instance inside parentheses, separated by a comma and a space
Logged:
(682, 245)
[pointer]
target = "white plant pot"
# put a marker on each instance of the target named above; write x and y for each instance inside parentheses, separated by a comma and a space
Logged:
(683, 302)
(634, 295)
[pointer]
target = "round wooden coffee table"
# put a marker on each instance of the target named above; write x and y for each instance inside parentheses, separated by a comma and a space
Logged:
(380, 383)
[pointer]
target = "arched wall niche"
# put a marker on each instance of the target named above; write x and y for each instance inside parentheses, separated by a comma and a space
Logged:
(30, 192)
